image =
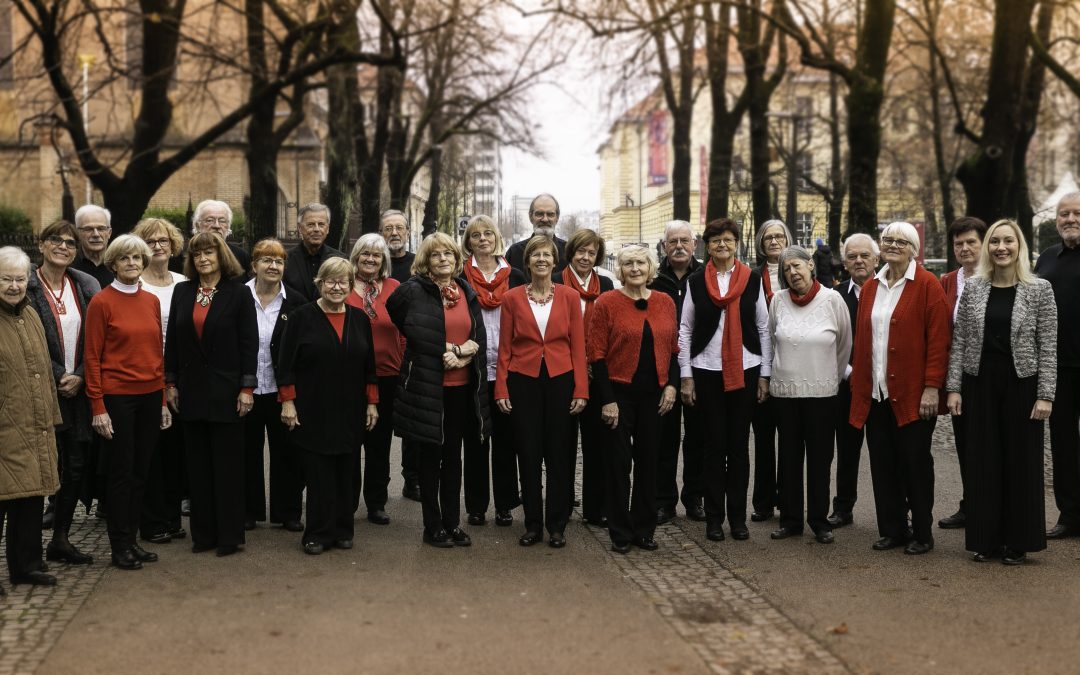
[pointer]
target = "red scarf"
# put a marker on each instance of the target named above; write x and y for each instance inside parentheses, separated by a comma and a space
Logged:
(731, 347)
(589, 295)
(766, 283)
(804, 300)
(450, 293)
(493, 290)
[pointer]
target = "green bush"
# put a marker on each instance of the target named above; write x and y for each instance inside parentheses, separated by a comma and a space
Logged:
(1048, 235)
(14, 220)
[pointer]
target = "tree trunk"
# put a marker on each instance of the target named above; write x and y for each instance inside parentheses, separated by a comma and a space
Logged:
(835, 200)
(680, 170)
(720, 158)
(341, 173)
(760, 195)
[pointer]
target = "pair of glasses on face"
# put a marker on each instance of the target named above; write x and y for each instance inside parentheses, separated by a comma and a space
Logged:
(891, 242)
(335, 283)
(774, 237)
(61, 242)
(212, 221)
(724, 241)
(273, 262)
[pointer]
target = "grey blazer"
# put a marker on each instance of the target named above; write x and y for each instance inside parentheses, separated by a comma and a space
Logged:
(1033, 334)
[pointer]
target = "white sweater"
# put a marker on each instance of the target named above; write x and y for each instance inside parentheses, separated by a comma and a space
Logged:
(811, 345)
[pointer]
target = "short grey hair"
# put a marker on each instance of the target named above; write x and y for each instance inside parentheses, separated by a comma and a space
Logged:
(210, 204)
(791, 253)
(86, 209)
(673, 225)
(906, 230)
(636, 251)
(313, 207)
(372, 241)
(759, 239)
(1071, 197)
(393, 212)
(863, 237)
(14, 256)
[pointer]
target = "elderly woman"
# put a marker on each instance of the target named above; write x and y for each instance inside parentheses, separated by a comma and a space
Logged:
(274, 302)
(772, 238)
(330, 396)
(165, 479)
(490, 276)
(211, 362)
(60, 294)
(541, 382)
(373, 284)
(215, 216)
(632, 346)
(584, 250)
(31, 414)
(811, 338)
(441, 396)
(901, 353)
(725, 359)
(1002, 375)
(124, 382)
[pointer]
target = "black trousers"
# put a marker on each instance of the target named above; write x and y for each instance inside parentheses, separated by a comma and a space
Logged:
(440, 465)
(164, 484)
(286, 473)
(681, 426)
(902, 471)
(505, 485)
(1065, 446)
(1006, 503)
(73, 457)
(806, 439)
(593, 469)
(215, 457)
(136, 421)
(329, 496)
(959, 435)
(376, 453)
(766, 495)
(541, 416)
(476, 465)
(726, 429)
(23, 543)
(849, 441)
(632, 446)
(410, 462)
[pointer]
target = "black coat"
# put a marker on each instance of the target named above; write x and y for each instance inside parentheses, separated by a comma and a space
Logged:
(210, 372)
(667, 282)
(330, 377)
(416, 308)
(294, 300)
(302, 268)
(75, 410)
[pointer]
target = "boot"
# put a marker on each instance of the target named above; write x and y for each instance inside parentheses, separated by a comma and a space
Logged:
(61, 549)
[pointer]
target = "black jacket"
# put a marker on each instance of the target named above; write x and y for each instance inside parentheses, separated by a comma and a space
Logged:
(667, 282)
(293, 301)
(416, 309)
(75, 410)
(301, 268)
(210, 372)
(707, 314)
(329, 375)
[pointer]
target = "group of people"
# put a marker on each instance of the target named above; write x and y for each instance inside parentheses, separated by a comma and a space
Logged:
(148, 372)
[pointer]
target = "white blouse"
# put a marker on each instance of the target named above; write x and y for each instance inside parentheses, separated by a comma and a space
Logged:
(709, 358)
(164, 295)
(885, 301)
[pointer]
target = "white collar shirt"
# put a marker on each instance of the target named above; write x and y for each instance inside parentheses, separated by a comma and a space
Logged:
(266, 317)
(492, 318)
(885, 301)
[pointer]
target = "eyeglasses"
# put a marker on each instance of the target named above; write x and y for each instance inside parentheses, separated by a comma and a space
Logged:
(485, 233)
(395, 228)
(335, 283)
(279, 262)
(164, 242)
(774, 237)
(443, 254)
(685, 242)
(13, 281)
(61, 242)
(95, 229)
(210, 220)
(898, 243)
(723, 241)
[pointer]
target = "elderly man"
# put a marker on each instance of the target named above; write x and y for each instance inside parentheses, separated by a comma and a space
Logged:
(544, 216)
(1060, 265)
(679, 263)
(302, 263)
(94, 227)
(214, 216)
(860, 254)
(966, 234)
(394, 228)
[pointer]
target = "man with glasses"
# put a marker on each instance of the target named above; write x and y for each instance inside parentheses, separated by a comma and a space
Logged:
(394, 228)
(94, 227)
(212, 215)
(303, 262)
(544, 216)
(682, 423)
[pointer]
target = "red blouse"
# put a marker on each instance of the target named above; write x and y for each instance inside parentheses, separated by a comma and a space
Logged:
(458, 330)
(389, 345)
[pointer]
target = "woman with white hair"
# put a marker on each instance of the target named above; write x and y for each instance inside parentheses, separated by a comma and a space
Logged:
(632, 346)
(373, 284)
(901, 354)
(811, 337)
(1002, 379)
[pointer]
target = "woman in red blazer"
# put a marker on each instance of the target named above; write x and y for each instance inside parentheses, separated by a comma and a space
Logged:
(540, 381)
(902, 338)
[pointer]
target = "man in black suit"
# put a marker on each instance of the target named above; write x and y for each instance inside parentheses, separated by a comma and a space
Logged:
(303, 262)
(94, 227)
(860, 254)
(212, 215)
(544, 216)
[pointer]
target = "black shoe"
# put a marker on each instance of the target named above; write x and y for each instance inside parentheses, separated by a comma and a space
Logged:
(142, 555)
(530, 538)
(229, 549)
(458, 536)
(202, 548)
(185, 507)
(158, 538)
(411, 491)
(343, 544)
(313, 548)
(477, 519)
(293, 526)
(126, 560)
(601, 522)
(1013, 557)
(504, 518)
(824, 537)
(438, 539)
(919, 547)
(63, 551)
(739, 532)
(696, 513)
(886, 543)
(664, 515)
(249, 525)
(646, 543)
(840, 518)
(620, 547)
(714, 532)
(556, 540)
(1061, 531)
(784, 533)
(378, 517)
(982, 557)
(178, 533)
(953, 522)
(35, 578)
(761, 516)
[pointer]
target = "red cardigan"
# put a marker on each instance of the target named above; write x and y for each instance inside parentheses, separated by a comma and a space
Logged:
(615, 328)
(948, 282)
(521, 347)
(919, 339)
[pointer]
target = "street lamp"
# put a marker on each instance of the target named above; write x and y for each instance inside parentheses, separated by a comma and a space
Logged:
(85, 62)
(793, 163)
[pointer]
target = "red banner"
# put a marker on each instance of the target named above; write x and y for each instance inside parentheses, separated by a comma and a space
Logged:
(658, 147)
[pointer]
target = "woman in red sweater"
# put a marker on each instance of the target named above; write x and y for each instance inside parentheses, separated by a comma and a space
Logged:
(541, 381)
(632, 347)
(901, 355)
(125, 377)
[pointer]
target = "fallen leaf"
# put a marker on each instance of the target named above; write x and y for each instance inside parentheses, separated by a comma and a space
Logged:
(842, 629)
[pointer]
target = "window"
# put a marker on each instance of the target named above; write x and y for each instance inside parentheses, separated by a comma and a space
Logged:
(804, 229)
(805, 170)
(804, 109)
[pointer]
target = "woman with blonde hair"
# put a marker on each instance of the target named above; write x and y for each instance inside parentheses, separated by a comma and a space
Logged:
(1002, 376)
